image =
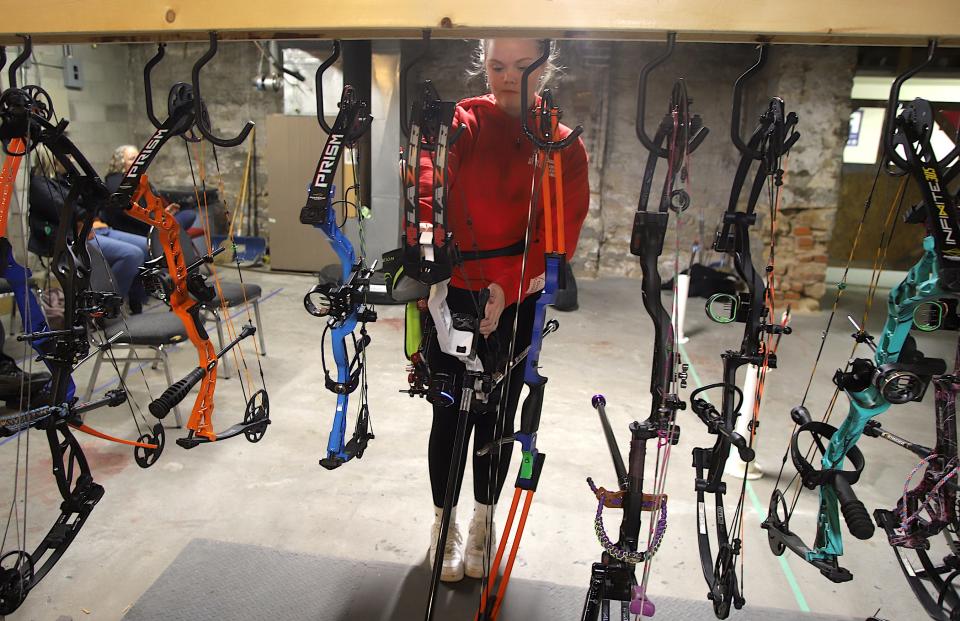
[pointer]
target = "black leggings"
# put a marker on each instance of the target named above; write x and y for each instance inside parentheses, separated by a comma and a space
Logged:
(493, 349)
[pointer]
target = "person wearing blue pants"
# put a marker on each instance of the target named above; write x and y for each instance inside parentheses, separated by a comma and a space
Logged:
(124, 252)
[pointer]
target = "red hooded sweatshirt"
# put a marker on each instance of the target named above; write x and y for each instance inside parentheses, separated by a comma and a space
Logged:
(490, 172)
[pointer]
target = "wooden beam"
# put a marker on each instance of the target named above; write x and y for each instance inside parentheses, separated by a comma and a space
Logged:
(838, 22)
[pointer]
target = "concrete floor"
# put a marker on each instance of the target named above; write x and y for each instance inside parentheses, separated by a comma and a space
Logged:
(274, 493)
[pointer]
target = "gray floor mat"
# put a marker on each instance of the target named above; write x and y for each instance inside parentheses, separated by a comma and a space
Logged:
(217, 580)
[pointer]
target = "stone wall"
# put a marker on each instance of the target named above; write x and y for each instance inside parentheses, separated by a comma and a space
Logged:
(598, 89)
(816, 82)
(98, 112)
(227, 87)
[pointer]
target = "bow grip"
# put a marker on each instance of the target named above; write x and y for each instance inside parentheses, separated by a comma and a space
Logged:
(175, 393)
(855, 514)
(531, 410)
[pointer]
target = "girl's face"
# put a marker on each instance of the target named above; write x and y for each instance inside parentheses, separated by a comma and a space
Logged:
(505, 62)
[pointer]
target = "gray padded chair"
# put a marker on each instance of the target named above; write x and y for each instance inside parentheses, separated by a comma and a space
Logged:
(234, 295)
(153, 334)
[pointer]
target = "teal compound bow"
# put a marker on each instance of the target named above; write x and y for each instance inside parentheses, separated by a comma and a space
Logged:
(898, 372)
(930, 507)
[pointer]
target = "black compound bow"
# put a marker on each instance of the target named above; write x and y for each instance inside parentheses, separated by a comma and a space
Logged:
(27, 123)
(770, 141)
(614, 578)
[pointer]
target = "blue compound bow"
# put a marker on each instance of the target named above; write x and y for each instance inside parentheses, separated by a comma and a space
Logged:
(898, 372)
(344, 302)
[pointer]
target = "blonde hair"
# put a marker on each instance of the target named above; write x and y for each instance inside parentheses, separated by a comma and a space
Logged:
(116, 160)
(45, 164)
(551, 68)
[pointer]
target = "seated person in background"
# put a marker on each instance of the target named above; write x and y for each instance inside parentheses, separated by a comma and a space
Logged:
(124, 252)
(121, 160)
(14, 381)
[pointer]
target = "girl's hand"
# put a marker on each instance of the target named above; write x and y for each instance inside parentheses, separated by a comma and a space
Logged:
(493, 310)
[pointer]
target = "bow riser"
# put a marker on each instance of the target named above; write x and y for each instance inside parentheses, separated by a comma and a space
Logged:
(649, 231)
(533, 404)
(336, 441)
(181, 302)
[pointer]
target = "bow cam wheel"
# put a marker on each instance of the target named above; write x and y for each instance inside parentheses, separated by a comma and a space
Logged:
(16, 576)
(40, 102)
(777, 502)
(258, 411)
(146, 457)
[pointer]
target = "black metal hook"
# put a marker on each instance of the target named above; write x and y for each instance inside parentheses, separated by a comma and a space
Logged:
(699, 132)
(20, 59)
(642, 96)
(738, 103)
(893, 103)
(546, 103)
(319, 80)
(199, 113)
(404, 88)
(147, 87)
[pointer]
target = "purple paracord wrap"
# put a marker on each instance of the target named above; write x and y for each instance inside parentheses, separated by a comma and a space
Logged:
(622, 554)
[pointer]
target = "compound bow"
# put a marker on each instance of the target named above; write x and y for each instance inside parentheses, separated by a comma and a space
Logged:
(614, 577)
(26, 117)
(548, 171)
(898, 372)
(930, 507)
(344, 302)
(182, 286)
(771, 140)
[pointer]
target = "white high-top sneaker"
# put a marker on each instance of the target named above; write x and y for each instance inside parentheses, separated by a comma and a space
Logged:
(477, 541)
(452, 569)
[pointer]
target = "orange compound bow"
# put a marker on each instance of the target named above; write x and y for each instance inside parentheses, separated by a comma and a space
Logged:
(176, 291)
(181, 285)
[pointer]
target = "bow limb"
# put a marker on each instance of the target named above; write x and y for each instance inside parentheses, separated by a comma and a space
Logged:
(8, 177)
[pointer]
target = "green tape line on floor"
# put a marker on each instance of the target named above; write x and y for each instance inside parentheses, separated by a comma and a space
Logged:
(757, 506)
